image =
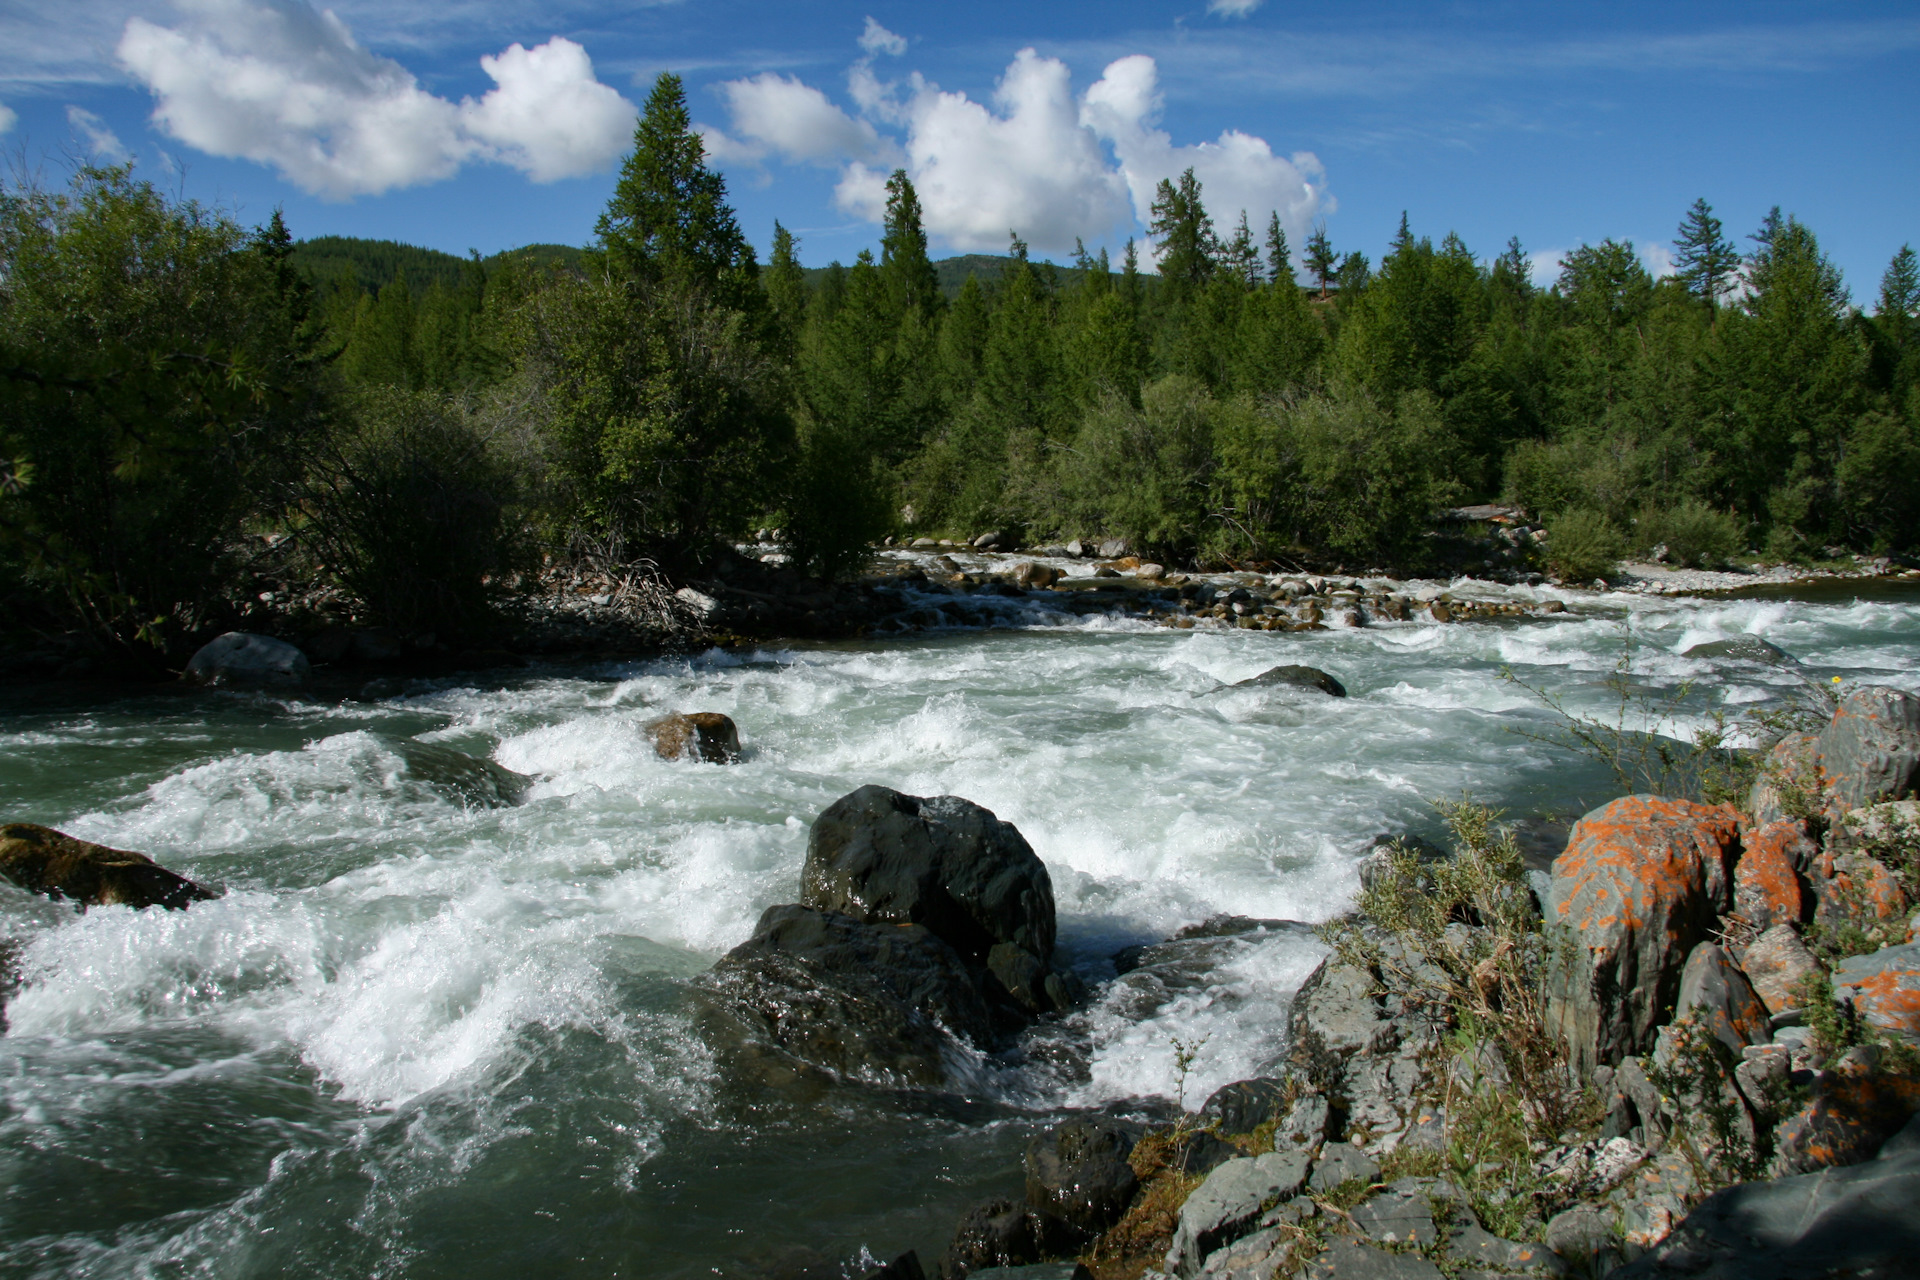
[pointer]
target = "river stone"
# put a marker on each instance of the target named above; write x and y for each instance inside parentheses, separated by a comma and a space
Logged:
(241, 658)
(1743, 649)
(1871, 750)
(1348, 1259)
(1777, 963)
(944, 862)
(1853, 1222)
(872, 1002)
(476, 782)
(42, 860)
(1297, 676)
(1229, 1203)
(1720, 1000)
(1641, 883)
(1078, 1172)
(1036, 576)
(1113, 548)
(1003, 1233)
(1884, 988)
(1767, 888)
(695, 735)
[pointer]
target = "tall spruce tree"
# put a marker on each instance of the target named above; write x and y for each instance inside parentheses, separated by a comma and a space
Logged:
(910, 278)
(1188, 247)
(1705, 259)
(1320, 259)
(1279, 257)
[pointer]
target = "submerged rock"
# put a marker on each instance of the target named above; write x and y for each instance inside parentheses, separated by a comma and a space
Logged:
(42, 860)
(1642, 882)
(240, 658)
(1297, 676)
(696, 735)
(477, 782)
(1742, 649)
(1078, 1172)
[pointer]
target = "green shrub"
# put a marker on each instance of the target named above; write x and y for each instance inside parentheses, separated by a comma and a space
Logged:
(1583, 545)
(1695, 535)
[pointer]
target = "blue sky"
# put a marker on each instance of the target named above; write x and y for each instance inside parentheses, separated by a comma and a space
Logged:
(488, 125)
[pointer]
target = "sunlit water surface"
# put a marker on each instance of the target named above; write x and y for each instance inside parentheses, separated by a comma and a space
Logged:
(421, 1039)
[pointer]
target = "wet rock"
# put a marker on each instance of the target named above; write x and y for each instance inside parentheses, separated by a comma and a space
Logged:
(240, 658)
(1852, 1222)
(1767, 886)
(696, 735)
(42, 860)
(905, 1267)
(1641, 883)
(818, 989)
(1439, 611)
(1003, 1233)
(1742, 649)
(1297, 676)
(1777, 963)
(1036, 576)
(1078, 1172)
(944, 862)
(1022, 977)
(1855, 1107)
(1245, 1105)
(1348, 1259)
(1229, 1203)
(1720, 1001)
(1340, 1163)
(1884, 987)
(476, 782)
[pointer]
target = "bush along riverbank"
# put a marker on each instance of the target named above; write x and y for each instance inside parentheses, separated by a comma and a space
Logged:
(1688, 1049)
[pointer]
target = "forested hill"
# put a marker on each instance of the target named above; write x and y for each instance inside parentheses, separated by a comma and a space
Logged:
(370, 264)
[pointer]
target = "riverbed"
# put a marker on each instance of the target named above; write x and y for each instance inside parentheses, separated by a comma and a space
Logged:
(419, 1036)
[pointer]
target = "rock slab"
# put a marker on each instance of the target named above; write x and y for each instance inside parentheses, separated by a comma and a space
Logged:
(42, 860)
(1229, 1203)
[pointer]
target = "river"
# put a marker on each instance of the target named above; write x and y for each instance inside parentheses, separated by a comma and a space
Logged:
(422, 1037)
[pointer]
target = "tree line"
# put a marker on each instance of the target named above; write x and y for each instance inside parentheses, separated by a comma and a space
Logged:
(185, 400)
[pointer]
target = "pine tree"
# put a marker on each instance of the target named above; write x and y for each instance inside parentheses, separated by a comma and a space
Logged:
(1900, 287)
(1239, 257)
(1320, 256)
(669, 218)
(910, 278)
(1188, 247)
(786, 285)
(1705, 257)
(1279, 257)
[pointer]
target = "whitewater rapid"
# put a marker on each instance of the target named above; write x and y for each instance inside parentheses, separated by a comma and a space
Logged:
(418, 1037)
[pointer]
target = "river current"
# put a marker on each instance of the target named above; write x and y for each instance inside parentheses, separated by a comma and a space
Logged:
(422, 1037)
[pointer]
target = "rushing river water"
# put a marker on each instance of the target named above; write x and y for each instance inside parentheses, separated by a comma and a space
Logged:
(421, 1037)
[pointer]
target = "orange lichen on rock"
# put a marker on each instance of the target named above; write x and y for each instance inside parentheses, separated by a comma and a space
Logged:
(1854, 1109)
(1767, 889)
(1884, 987)
(1641, 882)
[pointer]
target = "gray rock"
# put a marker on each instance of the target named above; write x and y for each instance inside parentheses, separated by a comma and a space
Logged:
(479, 783)
(240, 658)
(1396, 1217)
(1720, 1000)
(1477, 1247)
(1336, 1016)
(697, 604)
(1078, 1172)
(1348, 1259)
(1113, 548)
(1001, 1233)
(987, 541)
(945, 863)
(1871, 750)
(1227, 1205)
(1250, 1256)
(1742, 649)
(1585, 1236)
(1341, 1162)
(816, 989)
(1777, 963)
(1077, 548)
(1296, 676)
(1857, 1221)
(1245, 1105)
(1036, 1271)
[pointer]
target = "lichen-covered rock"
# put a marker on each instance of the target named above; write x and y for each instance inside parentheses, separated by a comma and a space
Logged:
(1789, 781)
(696, 735)
(1641, 883)
(1229, 1203)
(1856, 1223)
(42, 860)
(1870, 752)
(1767, 884)
(242, 658)
(1855, 889)
(1777, 963)
(1720, 1001)
(1366, 1052)
(873, 1002)
(1078, 1172)
(944, 862)
(1855, 1108)
(1884, 987)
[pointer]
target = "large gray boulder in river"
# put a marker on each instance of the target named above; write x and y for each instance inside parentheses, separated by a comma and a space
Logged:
(242, 658)
(42, 860)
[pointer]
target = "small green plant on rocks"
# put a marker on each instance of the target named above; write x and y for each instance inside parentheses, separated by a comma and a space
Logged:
(1722, 1142)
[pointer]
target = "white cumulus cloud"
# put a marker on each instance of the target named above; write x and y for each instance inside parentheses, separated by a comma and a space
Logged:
(279, 83)
(876, 40)
(1237, 172)
(780, 115)
(102, 142)
(7, 118)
